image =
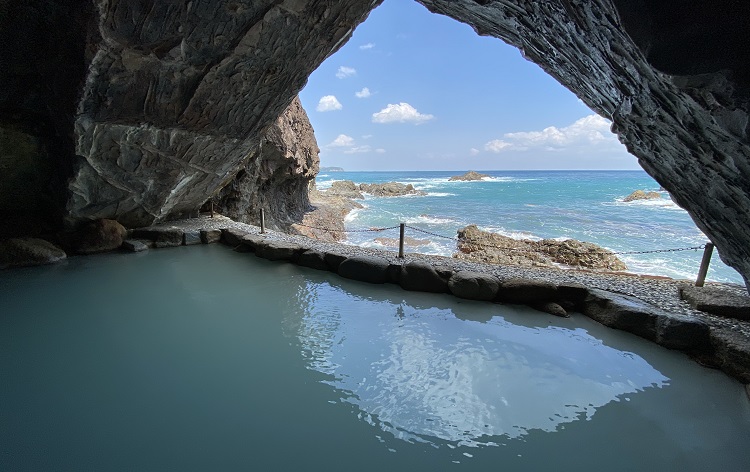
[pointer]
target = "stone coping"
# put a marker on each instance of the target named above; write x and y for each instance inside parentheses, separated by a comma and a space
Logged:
(649, 307)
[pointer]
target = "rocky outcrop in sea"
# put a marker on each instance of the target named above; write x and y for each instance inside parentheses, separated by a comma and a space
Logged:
(482, 246)
(469, 176)
(642, 195)
(390, 189)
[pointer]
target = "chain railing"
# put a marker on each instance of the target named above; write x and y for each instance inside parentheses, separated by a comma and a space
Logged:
(703, 270)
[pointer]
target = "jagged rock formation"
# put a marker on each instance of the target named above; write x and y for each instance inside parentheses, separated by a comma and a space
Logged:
(482, 246)
(344, 189)
(673, 77)
(277, 174)
(138, 112)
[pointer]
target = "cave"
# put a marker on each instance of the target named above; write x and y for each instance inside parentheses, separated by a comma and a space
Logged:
(141, 113)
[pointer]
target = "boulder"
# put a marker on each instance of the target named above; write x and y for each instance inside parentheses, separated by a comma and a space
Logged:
(731, 352)
(635, 316)
(717, 301)
(622, 312)
(210, 236)
(134, 245)
(334, 260)
(642, 195)
(420, 276)
(372, 269)
(232, 237)
(313, 259)
(252, 241)
(163, 236)
(551, 308)
(277, 250)
(344, 188)
(482, 246)
(473, 285)
(526, 291)
(20, 252)
(469, 176)
(99, 236)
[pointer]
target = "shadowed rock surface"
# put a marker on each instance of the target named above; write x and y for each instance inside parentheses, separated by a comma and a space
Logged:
(482, 246)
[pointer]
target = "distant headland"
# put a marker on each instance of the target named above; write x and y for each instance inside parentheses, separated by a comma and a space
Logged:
(331, 169)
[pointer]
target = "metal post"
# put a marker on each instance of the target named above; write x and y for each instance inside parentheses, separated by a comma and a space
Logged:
(704, 265)
(212, 209)
(262, 221)
(401, 240)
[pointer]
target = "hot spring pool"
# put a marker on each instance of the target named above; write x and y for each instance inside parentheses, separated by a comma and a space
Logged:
(200, 358)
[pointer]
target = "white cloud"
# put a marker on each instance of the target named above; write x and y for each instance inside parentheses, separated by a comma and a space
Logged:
(473, 151)
(364, 93)
(341, 140)
(587, 132)
(329, 103)
(401, 113)
(348, 145)
(380, 151)
(358, 149)
(345, 72)
(366, 136)
(367, 46)
(497, 145)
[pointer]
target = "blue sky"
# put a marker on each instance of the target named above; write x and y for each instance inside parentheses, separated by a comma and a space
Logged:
(417, 91)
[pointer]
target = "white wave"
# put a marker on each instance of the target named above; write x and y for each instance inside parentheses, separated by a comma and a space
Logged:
(655, 202)
(434, 220)
(512, 234)
(323, 175)
(440, 194)
(352, 215)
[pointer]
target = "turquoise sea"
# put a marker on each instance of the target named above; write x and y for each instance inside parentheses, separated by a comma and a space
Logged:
(583, 205)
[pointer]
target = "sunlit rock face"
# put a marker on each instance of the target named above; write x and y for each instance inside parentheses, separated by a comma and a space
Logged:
(152, 107)
(673, 77)
(277, 174)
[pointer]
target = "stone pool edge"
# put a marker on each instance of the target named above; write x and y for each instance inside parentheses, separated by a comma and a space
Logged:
(686, 332)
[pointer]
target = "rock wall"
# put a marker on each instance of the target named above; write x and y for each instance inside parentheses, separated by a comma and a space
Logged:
(277, 174)
(139, 111)
(165, 101)
(673, 76)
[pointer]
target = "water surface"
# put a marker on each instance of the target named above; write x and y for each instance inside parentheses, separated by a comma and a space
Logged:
(200, 358)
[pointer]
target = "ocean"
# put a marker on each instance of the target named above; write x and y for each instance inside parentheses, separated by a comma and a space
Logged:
(583, 205)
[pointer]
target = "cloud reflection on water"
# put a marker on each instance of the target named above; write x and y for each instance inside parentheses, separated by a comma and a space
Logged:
(426, 373)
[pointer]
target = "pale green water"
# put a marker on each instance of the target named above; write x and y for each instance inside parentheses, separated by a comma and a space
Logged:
(200, 358)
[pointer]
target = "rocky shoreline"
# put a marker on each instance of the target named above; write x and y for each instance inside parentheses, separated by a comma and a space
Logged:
(649, 307)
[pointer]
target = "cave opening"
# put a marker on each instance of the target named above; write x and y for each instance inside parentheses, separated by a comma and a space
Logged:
(417, 92)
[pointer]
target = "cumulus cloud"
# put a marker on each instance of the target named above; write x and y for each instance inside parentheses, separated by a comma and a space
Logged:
(400, 113)
(345, 72)
(590, 131)
(329, 103)
(473, 151)
(348, 145)
(341, 140)
(364, 93)
(367, 46)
